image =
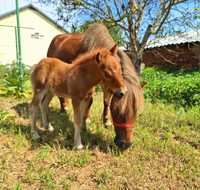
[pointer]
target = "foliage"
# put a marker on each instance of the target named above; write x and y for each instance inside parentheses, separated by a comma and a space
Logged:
(10, 81)
(178, 87)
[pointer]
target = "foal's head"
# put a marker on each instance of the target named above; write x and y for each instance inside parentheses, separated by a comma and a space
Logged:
(110, 71)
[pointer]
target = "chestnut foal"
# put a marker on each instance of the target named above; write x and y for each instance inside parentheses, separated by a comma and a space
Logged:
(52, 77)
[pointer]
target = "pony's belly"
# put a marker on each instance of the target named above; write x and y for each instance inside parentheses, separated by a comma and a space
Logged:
(60, 92)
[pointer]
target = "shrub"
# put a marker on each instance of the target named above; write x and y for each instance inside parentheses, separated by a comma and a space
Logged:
(177, 87)
(10, 80)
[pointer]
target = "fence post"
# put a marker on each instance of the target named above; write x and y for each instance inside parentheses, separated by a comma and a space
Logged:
(18, 46)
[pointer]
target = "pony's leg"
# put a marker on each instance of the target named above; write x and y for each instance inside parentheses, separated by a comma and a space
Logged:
(34, 110)
(44, 111)
(77, 125)
(107, 95)
(84, 109)
(63, 104)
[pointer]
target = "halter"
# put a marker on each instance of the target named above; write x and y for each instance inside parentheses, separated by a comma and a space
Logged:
(123, 125)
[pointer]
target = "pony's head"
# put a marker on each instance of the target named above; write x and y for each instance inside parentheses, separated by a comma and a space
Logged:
(110, 71)
(124, 110)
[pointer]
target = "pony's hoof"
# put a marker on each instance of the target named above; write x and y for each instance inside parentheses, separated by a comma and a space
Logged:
(50, 128)
(78, 147)
(107, 124)
(35, 136)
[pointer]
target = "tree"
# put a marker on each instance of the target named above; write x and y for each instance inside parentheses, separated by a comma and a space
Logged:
(138, 19)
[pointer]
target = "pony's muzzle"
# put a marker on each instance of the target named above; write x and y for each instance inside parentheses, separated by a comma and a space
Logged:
(122, 145)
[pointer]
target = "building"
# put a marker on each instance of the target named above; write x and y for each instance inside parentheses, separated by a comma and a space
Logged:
(37, 31)
(181, 51)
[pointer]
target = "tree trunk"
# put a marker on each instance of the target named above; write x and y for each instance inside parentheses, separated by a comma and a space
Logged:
(137, 63)
(136, 60)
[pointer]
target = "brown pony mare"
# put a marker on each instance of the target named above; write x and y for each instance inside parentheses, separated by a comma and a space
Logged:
(123, 111)
(52, 76)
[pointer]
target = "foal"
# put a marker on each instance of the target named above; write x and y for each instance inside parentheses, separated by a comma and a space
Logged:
(52, 77)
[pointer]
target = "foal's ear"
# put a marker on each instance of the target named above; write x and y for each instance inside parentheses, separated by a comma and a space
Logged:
(114, 49)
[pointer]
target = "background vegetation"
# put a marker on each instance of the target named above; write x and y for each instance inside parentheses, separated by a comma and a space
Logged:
(181, 88)
(10, 82)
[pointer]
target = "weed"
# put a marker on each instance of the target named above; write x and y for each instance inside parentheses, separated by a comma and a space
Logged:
(77, 159)
(11, 84)
(102, 176)
(17, 186)
(44, 152)
(46, 177)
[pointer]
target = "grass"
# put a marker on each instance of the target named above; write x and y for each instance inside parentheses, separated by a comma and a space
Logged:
(165, 152)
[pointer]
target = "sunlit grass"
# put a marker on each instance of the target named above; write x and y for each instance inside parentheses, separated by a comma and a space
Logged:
(165, 152)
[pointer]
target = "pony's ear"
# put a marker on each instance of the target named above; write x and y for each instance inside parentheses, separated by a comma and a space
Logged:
(114, 49)
(98, 57)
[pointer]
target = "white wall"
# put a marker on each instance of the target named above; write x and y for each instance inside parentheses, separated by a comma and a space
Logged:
(32, 49)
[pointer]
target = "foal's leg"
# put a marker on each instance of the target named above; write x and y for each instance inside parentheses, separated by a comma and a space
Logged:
(77, 125)
(34, 110)
(44, 111)
(107, 95)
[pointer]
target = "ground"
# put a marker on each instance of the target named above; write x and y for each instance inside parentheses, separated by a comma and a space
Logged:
(165, 152)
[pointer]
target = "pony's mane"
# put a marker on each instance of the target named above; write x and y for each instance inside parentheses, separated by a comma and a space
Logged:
(96, 36)
(132, 102)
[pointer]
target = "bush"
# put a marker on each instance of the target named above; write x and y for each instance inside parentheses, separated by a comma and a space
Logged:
(10, 80)
(177, 87)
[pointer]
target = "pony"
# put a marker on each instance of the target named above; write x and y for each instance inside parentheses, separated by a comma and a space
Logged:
(123, 111)
(52, 76)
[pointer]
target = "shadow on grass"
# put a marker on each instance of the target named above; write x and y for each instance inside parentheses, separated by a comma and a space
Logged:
(62, 136)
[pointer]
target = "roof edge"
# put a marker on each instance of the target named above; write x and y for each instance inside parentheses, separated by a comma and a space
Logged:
(31, 6)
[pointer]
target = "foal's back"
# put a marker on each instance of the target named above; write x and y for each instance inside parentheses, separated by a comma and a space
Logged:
(48, 71)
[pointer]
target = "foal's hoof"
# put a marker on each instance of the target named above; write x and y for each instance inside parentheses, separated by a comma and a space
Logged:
(35, 135)
(78, 147)
(50, 128)
(107, 124)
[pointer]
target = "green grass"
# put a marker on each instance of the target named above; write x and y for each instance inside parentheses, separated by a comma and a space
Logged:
(165, 152)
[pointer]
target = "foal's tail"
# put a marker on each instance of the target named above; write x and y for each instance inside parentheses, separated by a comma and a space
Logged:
(33, 68)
